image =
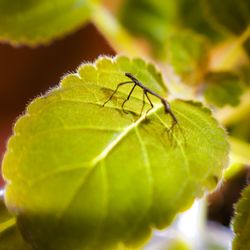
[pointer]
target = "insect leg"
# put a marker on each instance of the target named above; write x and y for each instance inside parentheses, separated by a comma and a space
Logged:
(149, 101)
(169, 111)
(117, 87)
(143, 102)
(128, 98)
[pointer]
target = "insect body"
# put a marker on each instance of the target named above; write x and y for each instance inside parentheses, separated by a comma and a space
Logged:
(146, 91)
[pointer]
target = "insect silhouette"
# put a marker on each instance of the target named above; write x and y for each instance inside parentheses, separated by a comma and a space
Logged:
(146, 91)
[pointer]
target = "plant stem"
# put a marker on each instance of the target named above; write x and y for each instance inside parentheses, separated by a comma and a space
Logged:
(230, 115)
(240, 150)
(232, 55)
(115, 34)
(240, 158)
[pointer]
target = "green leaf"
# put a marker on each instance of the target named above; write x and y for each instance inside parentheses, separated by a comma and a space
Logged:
(244, 72)
(241, 222)
(246, 45)
(187, 52)
(223, 88)
(117, 36)
(4, 214)
(191, 16)
(233, 15)
(83, 176)
(10, 237)
(39, 21)
(151, 19)
(157, 20)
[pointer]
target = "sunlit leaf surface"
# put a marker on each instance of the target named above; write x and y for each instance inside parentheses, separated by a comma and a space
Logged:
(83, 176)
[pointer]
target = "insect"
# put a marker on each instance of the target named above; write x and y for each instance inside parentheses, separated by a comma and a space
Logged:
(146, 91)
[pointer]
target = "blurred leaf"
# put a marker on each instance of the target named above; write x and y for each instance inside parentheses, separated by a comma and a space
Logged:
(231, 15)
(4, 214)
(240, 150)
(223, 88)
(191, 16)
(232, 117)
(10, 237)
(187, 53)
(84, 176)
(116, 35)
(240, 129)
(241, 221)
(233, 169)
(234, 15)
(244, 72)
(157, 20)
(247, 46)
(39, 21)
(152, 19)
(240, 156)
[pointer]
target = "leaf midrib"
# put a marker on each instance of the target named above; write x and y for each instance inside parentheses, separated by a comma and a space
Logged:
(122, 135)
(104, 154)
